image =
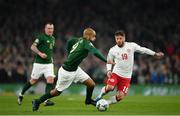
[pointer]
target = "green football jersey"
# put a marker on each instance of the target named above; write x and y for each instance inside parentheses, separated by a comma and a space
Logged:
(44, 44)
(78, 49)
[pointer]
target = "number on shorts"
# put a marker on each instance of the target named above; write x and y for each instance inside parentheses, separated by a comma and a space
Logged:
(125, 89)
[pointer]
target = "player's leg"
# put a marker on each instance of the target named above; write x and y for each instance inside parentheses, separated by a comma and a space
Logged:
(122, 87)
(37, 102)
(65, 79)
(31, 82)
(25, 88)
(111, 83)
(118, 97)
(89, 90)
(36, 73)
(84, 78)
(49, 87)
(49, 75)
(106, 89)
(50, 84)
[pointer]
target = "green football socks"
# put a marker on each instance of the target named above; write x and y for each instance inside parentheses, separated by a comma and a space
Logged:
(26, 87)
(45, 97)
(49, 87)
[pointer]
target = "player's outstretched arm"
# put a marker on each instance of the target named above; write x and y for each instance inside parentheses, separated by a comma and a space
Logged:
(145, 50)
(98, 54)
(159, 55)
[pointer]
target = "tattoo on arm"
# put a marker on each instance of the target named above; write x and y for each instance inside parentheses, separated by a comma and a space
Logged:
(34, 48)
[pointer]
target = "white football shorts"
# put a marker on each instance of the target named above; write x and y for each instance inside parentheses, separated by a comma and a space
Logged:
(66, 78)
(42, 69)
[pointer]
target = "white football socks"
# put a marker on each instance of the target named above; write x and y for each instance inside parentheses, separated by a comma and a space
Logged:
(112, 100)
(20, 94)
(103, 92)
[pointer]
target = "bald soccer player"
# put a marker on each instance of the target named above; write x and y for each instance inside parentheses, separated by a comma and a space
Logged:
(70, 71)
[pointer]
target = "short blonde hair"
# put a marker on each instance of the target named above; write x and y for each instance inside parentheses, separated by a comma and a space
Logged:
(88, 32)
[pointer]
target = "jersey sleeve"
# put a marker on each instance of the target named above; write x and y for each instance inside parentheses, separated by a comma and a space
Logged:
(37, 41)
(90, 47)
(110, 57)
(143, 50)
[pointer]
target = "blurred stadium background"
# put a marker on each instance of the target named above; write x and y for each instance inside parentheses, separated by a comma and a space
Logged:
(151, 23)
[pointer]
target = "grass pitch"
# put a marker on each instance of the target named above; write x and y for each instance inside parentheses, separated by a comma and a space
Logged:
(74, 105)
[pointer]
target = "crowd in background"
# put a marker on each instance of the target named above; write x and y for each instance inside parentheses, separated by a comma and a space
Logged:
(152, 24)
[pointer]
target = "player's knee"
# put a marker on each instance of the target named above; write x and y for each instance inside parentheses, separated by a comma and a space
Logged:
(120, 96)
(55, 92)
(109, 88)
(89, 83)
(50, 80)
(92, 84)
(33, 81)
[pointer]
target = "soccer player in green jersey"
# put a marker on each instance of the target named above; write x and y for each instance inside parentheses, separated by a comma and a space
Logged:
(43, 63)
(71, 72)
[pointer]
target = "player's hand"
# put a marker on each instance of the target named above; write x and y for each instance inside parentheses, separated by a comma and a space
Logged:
(110, 62)
(109, 73)
(159, 55)
(42, 55)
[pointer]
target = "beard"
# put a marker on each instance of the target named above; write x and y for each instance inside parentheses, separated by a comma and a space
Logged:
(121, 45)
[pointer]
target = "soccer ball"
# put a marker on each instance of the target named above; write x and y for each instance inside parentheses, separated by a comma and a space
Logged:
(102, 105)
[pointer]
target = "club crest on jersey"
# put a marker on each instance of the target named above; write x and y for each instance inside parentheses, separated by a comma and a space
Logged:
(128, 50)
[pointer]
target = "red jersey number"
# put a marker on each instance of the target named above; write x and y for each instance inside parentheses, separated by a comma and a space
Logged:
(124, 56)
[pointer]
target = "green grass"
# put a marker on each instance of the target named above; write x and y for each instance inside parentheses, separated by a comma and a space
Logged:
(74, 105)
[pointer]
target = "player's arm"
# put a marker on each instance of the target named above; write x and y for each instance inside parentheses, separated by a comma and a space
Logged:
(145, 50)
(159, 55)
(35, 49)
(97, 53)
(110, 57)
